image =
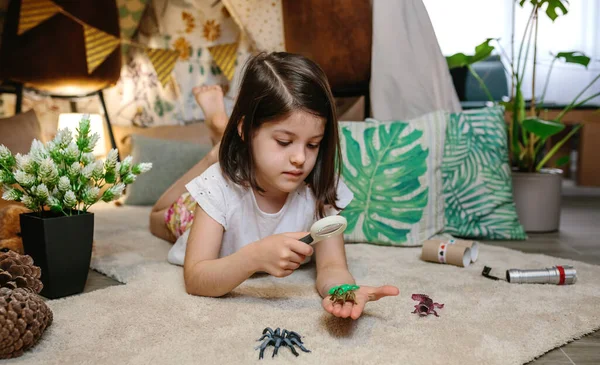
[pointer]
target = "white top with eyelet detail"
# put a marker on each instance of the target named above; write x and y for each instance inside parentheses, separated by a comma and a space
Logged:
(235, 208)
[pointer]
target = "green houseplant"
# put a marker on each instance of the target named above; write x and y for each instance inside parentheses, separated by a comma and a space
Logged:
(536, 187)
(59, 182)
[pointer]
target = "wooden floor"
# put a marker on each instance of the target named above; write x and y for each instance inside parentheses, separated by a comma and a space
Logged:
(578, 239)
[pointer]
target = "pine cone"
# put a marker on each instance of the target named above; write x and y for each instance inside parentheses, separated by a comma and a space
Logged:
(18, 271)
(23, 319)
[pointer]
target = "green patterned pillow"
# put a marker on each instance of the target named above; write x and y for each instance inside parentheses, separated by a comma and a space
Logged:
(394, 170)
(476, 177)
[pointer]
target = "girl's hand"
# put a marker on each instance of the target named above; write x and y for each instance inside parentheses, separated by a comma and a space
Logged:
(363, 295)
(280, 254)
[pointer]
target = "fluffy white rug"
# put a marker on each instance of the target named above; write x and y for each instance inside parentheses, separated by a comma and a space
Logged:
(152, 320)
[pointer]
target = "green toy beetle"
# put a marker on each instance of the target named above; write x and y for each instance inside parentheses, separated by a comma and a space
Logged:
(343, 293)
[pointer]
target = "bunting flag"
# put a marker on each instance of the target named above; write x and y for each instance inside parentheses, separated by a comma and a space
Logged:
(163, 61)
(33, 12)
(98, 46)
(225, 56)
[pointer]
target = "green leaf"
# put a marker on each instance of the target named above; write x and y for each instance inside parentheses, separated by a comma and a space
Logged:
(110, 177)
(542, 128)
(457, 60)
(574, 57)
(482, 51)
(388, 194)
(552, 7)
(562, 161)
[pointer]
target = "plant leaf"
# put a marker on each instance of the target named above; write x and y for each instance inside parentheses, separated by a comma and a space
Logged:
(482, 51)
(574, 57)
(542, 128)
(552, 7)
(457, 60)
(562, 161)
(383, 167)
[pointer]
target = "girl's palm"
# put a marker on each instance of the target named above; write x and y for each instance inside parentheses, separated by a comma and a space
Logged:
(363, 295)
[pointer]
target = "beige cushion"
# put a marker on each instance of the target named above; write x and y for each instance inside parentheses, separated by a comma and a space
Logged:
(170, 160)
(17, 133)
(196, 132)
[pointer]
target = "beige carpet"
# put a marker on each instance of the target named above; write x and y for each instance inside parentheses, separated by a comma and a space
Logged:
(153, 320)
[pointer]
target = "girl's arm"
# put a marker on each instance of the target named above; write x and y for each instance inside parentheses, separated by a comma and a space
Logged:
(206, 274)
(332, 268)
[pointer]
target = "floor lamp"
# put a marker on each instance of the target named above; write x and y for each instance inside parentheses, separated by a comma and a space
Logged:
(50, 58)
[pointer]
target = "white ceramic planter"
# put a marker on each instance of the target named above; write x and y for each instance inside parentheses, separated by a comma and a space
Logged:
(537, 197)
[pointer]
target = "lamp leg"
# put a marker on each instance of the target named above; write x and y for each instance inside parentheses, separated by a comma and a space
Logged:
(19, 101)
(110, 131)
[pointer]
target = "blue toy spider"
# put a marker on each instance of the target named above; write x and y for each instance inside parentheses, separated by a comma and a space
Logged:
(278, 338)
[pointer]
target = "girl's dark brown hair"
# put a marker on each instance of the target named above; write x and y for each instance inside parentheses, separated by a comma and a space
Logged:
(273, 86)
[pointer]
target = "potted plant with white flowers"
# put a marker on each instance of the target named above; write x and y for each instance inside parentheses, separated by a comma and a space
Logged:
(59, 182)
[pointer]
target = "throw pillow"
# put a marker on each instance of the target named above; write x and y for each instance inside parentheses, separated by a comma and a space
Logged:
(17, 133)
(394, 170)
(194, 132)
(170, 160)
(477, 179)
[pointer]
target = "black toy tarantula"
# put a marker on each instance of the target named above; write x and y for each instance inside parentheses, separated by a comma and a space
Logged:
(278, 338)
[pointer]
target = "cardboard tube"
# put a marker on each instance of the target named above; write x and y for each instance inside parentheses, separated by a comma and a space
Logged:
(442, 252)
(473, 245)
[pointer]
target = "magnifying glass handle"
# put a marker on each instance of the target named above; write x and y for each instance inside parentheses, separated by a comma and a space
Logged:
(307, 239)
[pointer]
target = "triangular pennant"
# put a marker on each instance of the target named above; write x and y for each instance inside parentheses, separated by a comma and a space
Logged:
(225, 56)
(163, 61)
(98, 46)
(33, 12)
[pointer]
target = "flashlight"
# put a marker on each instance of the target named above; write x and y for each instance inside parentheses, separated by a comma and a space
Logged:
(559, 275)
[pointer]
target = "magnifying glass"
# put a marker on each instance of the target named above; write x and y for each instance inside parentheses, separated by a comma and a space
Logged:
(325, 228)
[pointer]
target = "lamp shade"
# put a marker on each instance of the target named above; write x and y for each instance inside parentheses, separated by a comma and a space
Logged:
(51, 56)
(71, 122)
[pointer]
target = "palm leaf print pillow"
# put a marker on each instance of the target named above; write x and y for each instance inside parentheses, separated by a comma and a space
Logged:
(476, 177)
(394, 170)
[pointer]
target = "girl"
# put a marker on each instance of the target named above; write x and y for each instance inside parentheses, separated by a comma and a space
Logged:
(277, 171)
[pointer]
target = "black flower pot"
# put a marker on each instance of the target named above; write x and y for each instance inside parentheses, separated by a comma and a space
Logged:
(62, 247)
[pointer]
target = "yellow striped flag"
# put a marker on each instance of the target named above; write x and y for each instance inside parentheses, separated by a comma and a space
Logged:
(98, 46)
(224, 56)
(163, 61)
(33, 12)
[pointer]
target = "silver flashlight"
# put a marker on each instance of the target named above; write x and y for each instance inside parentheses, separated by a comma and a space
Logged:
(559, 275)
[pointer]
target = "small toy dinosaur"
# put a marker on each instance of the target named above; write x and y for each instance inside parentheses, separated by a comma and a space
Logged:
(343, 293)
(426, 305)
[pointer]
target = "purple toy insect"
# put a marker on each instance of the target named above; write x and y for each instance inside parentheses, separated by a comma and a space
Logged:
(426, 305)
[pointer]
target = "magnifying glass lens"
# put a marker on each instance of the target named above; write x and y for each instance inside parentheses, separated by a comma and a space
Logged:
(330, 228)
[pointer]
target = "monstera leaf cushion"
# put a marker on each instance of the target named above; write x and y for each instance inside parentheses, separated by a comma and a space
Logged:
(394, 170)
(476, 177)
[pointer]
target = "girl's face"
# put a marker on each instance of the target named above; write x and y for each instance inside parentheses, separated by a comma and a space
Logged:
(286, 150)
